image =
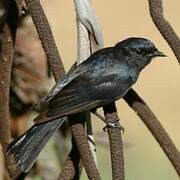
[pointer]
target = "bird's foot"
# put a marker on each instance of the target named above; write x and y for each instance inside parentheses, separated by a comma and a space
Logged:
(114, 124)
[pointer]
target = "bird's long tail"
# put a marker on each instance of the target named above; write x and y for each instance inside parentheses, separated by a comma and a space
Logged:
(27, 147)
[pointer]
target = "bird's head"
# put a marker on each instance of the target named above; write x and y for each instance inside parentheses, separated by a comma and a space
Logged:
(138, 50)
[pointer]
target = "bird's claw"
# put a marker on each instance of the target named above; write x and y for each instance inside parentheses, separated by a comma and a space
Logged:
(114, 124)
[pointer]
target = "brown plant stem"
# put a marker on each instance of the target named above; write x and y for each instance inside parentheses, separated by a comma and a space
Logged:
(76, 122)
(73, 165)
(116, 145)
(46, 37)
(7, 38)
(5, 73)
(7, 51)
(155, 127)
(156, 12)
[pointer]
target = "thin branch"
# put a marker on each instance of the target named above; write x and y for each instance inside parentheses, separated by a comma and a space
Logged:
(90, 136)
(156, 12)
(155, 127)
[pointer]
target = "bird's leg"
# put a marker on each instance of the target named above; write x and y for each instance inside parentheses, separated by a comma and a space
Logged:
(98, 115)
(112, 124)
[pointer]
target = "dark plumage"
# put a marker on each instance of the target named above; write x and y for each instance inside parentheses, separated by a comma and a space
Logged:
(104, 77)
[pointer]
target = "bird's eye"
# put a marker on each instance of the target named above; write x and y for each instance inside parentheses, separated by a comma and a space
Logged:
(139, 51)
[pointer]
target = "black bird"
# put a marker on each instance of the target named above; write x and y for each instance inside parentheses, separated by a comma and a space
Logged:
(104, 77)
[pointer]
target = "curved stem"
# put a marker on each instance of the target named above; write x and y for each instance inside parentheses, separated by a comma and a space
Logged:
(155, 127)
(156, 12)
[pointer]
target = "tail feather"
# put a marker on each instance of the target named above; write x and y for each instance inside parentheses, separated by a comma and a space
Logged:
(27, 147)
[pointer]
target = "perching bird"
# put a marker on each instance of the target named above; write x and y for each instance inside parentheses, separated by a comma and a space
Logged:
(104, 77)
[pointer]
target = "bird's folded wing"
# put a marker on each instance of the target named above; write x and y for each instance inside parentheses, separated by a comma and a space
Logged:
(71, 99)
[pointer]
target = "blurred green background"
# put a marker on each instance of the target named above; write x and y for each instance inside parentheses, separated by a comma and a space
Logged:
(159, 84)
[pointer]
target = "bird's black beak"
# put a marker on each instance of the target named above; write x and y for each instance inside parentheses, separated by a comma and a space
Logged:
(159, 54)
(156, 53)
